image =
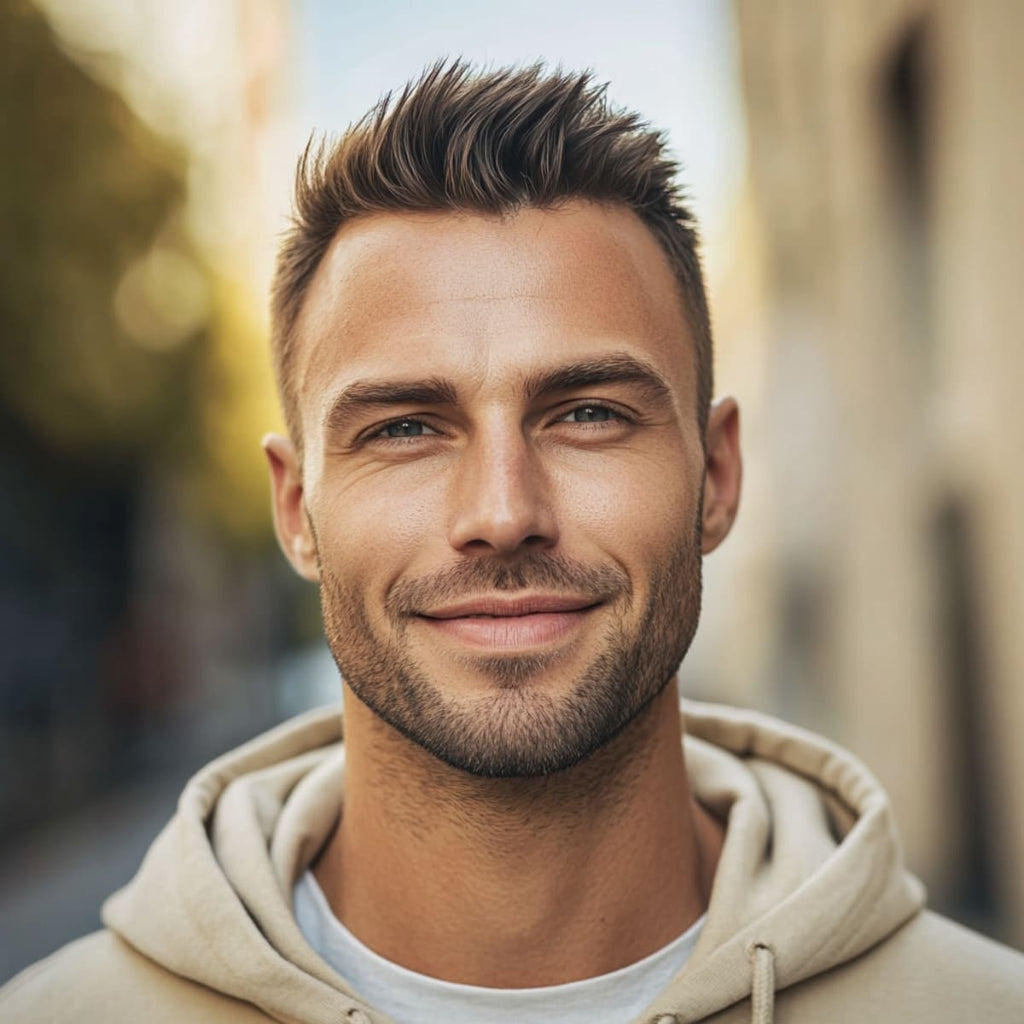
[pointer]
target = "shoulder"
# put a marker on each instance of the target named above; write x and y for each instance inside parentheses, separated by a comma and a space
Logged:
(931, 941)
(931, 970)
(101, 978)
(950, 959)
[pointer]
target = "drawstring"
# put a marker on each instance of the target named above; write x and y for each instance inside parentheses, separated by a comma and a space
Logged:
(762, 986)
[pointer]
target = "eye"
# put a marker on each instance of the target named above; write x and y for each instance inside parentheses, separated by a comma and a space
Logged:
(405, 427)
(590, 414)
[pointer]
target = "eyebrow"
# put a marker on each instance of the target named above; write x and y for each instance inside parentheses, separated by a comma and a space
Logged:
(378, 394)
(612, 369)
(363, 395)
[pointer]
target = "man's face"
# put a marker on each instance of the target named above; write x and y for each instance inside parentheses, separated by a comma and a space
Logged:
(503, 476)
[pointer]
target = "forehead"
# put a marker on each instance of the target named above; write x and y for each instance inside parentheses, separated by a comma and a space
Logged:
(484, 298)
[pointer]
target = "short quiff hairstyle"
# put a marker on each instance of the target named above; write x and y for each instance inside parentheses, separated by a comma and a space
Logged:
(490, 142)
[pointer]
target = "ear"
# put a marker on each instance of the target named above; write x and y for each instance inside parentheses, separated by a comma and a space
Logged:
(723, 472)
(291, 520)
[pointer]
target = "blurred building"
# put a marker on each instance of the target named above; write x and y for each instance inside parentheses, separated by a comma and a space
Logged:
(872, 321)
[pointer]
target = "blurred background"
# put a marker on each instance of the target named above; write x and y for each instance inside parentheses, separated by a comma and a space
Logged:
(855, 166)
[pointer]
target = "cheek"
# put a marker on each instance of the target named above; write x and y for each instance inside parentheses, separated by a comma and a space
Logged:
(371, 529)
(636, 507)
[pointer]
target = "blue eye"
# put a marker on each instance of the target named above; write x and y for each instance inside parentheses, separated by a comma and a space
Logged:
(404, 428)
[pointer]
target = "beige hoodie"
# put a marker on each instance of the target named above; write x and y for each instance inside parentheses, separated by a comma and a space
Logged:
(812, 916)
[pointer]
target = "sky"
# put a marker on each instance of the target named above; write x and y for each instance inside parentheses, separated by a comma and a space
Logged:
(674, 62)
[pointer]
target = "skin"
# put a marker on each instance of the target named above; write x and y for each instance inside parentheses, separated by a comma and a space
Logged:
(544, 878)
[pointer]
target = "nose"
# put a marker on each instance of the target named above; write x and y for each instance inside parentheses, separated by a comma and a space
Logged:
(501, 501)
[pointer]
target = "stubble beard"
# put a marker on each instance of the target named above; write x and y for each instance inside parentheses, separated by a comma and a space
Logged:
(515, 730)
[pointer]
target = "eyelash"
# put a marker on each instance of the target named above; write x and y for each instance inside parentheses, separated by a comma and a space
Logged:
(616, 416)
(380, 433)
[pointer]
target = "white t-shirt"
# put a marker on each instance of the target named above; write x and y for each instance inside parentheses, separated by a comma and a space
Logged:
(411, 998)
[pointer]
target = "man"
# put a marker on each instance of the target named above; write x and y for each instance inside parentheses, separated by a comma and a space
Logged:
(503, 468)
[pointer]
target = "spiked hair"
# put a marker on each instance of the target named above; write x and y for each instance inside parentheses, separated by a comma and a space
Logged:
(485, 142)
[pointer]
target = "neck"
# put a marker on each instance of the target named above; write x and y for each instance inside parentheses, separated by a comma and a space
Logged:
(516, 883)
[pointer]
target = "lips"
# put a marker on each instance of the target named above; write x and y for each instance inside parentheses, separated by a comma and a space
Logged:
(506, 622)
(511, 607)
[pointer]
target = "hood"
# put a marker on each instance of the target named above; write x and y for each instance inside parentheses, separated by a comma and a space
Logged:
(810, 875)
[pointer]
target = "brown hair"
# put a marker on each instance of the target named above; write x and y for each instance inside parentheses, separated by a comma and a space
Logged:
(488, 142)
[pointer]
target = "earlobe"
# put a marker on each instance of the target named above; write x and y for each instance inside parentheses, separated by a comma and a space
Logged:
(723, 473)
(291, 520)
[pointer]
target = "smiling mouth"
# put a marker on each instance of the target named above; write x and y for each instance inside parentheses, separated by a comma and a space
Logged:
(511, 623)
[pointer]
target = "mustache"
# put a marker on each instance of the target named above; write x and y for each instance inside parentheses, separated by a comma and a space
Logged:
(532, 571)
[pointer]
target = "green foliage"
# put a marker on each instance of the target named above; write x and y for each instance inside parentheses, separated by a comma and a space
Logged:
(101, 295)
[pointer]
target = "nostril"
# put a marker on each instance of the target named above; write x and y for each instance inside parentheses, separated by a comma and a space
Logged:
(536, 540)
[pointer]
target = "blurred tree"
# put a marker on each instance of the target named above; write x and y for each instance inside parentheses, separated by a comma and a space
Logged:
(103, 333)
(225, 479)
(102, 299)
(139, 587)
